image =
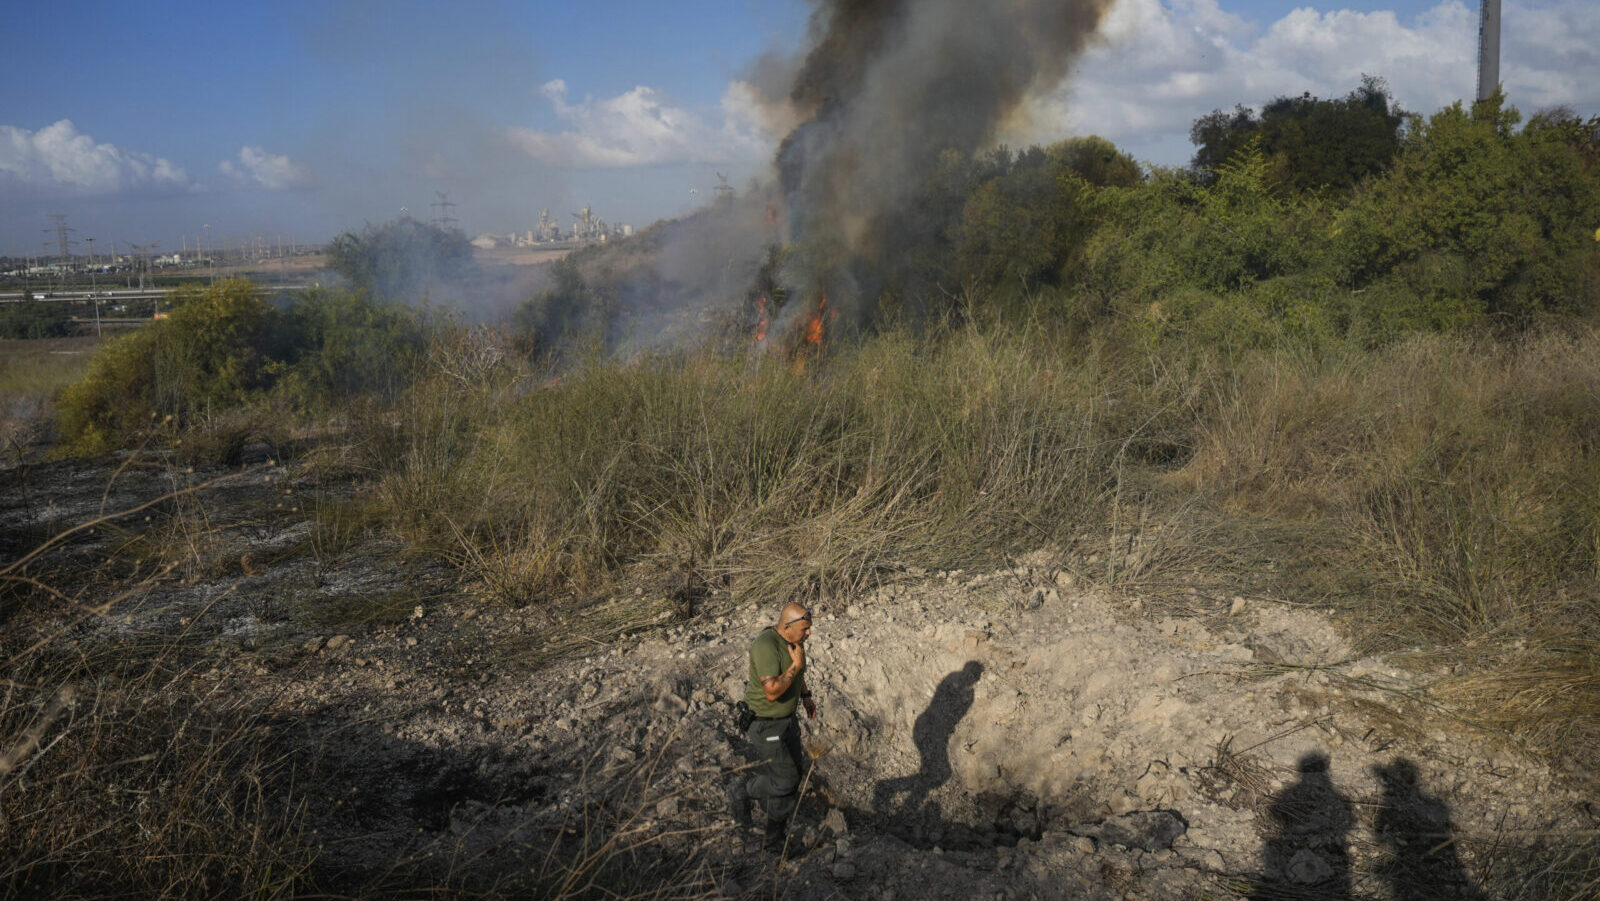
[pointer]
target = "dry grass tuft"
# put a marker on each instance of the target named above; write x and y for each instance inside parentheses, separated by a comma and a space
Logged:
(1237, 778)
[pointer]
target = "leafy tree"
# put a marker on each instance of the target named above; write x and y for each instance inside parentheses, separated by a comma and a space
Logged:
(400, 259)
(1218, 135)
(566, 310)
(1476, 213)
(1024, 224)
(1097, 161)
(1309, 143)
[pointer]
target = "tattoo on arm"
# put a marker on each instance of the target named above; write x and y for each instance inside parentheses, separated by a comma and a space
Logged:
(777, 685)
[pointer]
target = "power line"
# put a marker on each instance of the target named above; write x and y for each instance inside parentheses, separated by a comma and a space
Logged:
(143, 250)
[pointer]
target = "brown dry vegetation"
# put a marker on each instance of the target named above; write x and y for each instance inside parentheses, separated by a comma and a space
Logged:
(1440, 492)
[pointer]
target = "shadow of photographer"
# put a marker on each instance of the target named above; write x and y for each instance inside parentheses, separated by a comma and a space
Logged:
(1307, 855)
(1307, 858)
(1420, 862)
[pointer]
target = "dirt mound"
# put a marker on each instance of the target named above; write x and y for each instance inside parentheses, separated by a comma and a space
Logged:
(983, 735)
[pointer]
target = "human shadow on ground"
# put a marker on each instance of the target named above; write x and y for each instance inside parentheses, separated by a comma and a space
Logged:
(1420, 861)
(904, 799)
(931, 734)
(1306, 856)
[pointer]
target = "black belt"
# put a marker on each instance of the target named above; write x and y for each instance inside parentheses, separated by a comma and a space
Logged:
(790, 716)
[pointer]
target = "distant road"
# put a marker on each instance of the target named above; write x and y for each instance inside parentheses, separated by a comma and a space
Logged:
(124, 293)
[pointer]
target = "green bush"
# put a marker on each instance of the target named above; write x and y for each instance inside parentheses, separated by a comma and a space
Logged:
(34, 319)
(224, 348)
(208, 356)
(341, 345)
(568, 311)
(1025, 221)
(1235, 263)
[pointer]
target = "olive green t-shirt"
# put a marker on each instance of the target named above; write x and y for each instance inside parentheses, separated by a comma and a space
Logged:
(769, 656)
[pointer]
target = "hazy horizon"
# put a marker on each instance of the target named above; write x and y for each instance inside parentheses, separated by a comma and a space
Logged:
(163, 122)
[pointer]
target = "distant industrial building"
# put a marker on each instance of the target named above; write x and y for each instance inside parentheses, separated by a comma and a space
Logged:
(586, 228)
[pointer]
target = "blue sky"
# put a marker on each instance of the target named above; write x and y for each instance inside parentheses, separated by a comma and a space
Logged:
(147, 121)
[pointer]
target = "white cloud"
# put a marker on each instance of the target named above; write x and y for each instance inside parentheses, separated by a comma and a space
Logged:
(272, 171)
(640, 128)
(1162, 65)
(60, 159)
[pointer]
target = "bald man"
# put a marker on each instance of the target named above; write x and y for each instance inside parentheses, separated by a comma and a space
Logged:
(777, 686)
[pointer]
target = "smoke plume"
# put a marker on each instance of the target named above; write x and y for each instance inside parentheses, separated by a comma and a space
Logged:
(886, 88)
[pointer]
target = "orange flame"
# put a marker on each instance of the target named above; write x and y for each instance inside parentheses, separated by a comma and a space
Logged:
(763, 319)
(810, 343)
(814, 324)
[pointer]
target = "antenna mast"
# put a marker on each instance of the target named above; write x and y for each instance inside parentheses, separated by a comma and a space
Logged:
(1488, 48)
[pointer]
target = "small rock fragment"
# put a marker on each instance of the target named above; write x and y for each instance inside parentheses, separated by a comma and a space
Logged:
(835, 822)
(1150, 830)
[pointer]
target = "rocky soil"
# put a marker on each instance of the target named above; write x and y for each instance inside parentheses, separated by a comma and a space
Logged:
(1008, 733)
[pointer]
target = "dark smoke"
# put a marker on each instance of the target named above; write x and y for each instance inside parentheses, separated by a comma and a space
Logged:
(886, 93)
(887, 87)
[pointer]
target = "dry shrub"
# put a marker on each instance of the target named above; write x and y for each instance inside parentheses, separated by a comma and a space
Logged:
(751, 473)
(1280, 429)
(1541, 686)
(1460, 470)
(1481, 503)
(1449, 490)
(139, 778)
